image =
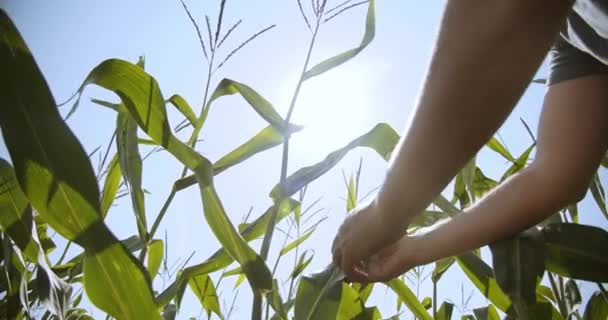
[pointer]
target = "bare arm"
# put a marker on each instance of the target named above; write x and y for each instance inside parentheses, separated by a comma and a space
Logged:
(571, 143)
(486, 54)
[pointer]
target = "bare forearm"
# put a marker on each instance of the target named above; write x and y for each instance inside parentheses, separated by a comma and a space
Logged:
(485, 56)
(524, 200)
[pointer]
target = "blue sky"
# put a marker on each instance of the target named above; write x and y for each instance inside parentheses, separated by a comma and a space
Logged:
(69, 38)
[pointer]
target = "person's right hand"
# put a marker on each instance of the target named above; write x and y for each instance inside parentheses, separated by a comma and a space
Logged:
(391, 262)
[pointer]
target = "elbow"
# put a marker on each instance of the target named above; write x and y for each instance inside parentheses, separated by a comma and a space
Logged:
(561, 184)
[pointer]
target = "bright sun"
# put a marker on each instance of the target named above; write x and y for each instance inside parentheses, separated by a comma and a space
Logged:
(333, 109)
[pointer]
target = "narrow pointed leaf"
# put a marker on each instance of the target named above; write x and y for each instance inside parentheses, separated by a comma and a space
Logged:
(64, 193)
(182, 106)
(519, 163)
(497, 147)
(368, 36)
(441, 266)
(268, 138)
(111, 185)
(156, 250)
(351, 194)
(409, 299)
(486, 313)
(297, 242)
(319, 295)
(142, 97)
(382, 138)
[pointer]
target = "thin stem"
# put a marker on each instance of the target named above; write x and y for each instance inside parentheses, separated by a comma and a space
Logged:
(434, 300)
(65, 251)
(257, 298)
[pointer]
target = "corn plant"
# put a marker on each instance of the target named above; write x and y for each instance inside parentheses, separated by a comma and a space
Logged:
(51, 184)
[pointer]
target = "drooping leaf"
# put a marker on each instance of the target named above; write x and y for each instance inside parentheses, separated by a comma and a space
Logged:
(268, 138)
(156, 250)
(445, 311)
(497, 147)
(204, 289)
(597, 190)
(482, 276)
(182, 106)
(410, 300)
(382, 138)
(597, 307)
(518, 164)
(324, 295)
(576, 251)
(221, 259)
(111, 185)
(368, 36)
(127, 149)
(441, 266)
(141, 96)
(518, 268)
(64, 193)
(15, 214)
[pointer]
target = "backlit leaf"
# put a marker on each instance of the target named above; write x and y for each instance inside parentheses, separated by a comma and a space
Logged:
(519, 163)
(111, 185)
(597, 307)
(182, 106)
(497, 147)
(297, 242)
(445, 311)
(368, 36)
(410, 300)
(55, 174)
(597, 190)
(156, 250)
(382, 138)
(203, 288)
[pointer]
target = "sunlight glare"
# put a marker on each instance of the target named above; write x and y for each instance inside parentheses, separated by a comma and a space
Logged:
(333, 109)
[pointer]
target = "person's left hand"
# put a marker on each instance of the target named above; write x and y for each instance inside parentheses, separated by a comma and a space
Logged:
(363, 233)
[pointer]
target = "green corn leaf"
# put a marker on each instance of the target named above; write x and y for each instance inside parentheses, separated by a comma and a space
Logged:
(460, 191)
(156, 250)
(382, 138)
(64, 192)
(268, 138)
(111, 185)
(287, 306)
(239, 280)
(303, 262)
(597, 190)
(544, 293)
(204, 289)
(368, 36)
(169, 312)
(16, 220)
(486, 313)
(182, 106)
(351, 194)
(497, 147)
(597, 307)
(468, 176)
(142, 98)
(277, 303)
(441, 266)
(576, 251)
(127, 149)
(262, 106)
(410, 300)
(48, 245)
(482, 276)
(296, 242)
(445, 311)
(234, 272)
(482, 184)
(573, 212)
(221, 259)
(363, 290)
(518, 268)
(324, 295)
(519, 163)
(15, 214)
(114, 106)
(442, 203)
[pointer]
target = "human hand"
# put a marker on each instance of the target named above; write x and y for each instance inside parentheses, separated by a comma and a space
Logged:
(390, 262)
(363, 234)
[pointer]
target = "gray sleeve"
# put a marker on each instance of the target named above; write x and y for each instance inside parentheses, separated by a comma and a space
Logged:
(568, 62)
